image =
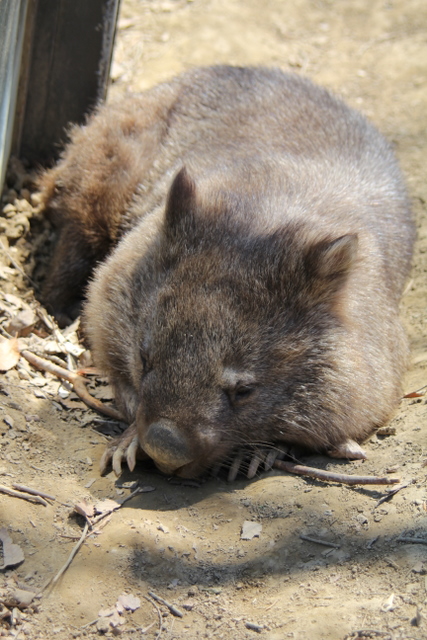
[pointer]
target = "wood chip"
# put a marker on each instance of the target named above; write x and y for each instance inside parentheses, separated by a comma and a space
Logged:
(9, 353)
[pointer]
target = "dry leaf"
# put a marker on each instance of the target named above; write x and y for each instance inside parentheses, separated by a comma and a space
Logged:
(250, 530)
(129, 602)
(105, 506)
(74, 349)
(22, 323)
(14, 300)
(84, 509)
(9, 353)
(114, 619)
(12, 553)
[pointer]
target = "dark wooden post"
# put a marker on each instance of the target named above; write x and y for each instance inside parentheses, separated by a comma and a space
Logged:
(64, 71)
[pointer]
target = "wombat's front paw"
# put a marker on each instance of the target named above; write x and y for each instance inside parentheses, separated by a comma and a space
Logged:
(126, 447)
(249, 461)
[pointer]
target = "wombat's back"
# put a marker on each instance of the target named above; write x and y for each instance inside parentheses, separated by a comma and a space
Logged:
(218, 120)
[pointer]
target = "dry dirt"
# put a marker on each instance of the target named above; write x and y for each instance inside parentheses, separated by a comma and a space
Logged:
(184, 542)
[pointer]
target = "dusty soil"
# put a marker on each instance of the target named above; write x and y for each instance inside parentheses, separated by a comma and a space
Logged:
(184, 542)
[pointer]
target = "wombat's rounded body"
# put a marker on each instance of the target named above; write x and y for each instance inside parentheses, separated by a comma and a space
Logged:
(252, 297)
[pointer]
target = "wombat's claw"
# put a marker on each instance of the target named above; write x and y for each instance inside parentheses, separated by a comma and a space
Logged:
(268, 457)
(125, 447)
(259, 457)
(235, 466)
(348, 449)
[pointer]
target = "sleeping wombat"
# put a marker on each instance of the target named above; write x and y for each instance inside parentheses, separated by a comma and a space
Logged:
(264, 237)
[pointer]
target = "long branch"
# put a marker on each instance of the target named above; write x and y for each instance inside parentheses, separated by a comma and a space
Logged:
(329, 476)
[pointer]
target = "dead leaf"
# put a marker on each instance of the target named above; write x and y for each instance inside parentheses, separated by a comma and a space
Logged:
(74, 349)
(105, 506)
(250, 530)
(84, 509)
(114, 619)
(129, 602)
(9, 353)
(22, 323)
(12, 553)
(14, 300)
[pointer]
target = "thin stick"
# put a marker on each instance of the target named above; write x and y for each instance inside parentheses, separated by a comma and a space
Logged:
(363, 633)
(88, 624)
(23, 496)
(411, 540)
(34, 492)
(70, 557)
(320, 474)
(392, 493)
(253, 627)
(159, 613)
(171, 607)
(325, 543)
(419, 393)
(79, 384)
(86, 533)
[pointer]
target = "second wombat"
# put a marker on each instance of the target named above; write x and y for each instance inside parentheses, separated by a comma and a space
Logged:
(263, 240)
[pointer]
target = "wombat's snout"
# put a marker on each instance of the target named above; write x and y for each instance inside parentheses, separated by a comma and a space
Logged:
(166, 446)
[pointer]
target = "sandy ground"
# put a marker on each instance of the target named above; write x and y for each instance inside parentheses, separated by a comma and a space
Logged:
(184, 542)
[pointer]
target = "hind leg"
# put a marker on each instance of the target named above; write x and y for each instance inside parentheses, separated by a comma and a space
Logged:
(70, 268)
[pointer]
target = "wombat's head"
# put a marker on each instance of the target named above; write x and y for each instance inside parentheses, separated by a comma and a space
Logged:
(218, 337)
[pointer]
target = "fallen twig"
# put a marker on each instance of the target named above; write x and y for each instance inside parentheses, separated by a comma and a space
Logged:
(411, 540)
(34, 492)
(321, 474)
(55, 579)
(171, 607)
(391, 493)
(253, 627)
(23, 496)
(75, 379)
(89, 624)
(419, 393)
(325, 543)
(159, 613)
(145, 629)
(88, 531)
(364, 633)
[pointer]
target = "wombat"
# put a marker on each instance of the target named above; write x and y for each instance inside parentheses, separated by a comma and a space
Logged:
(253, 236)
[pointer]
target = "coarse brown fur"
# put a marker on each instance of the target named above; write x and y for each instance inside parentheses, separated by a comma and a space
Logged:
(252, 297)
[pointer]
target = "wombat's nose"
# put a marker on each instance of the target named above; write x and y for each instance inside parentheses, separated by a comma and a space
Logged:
(166, 446)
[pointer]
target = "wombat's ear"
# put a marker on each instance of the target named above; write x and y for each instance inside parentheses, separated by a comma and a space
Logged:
(180, 203)
(332, 260)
